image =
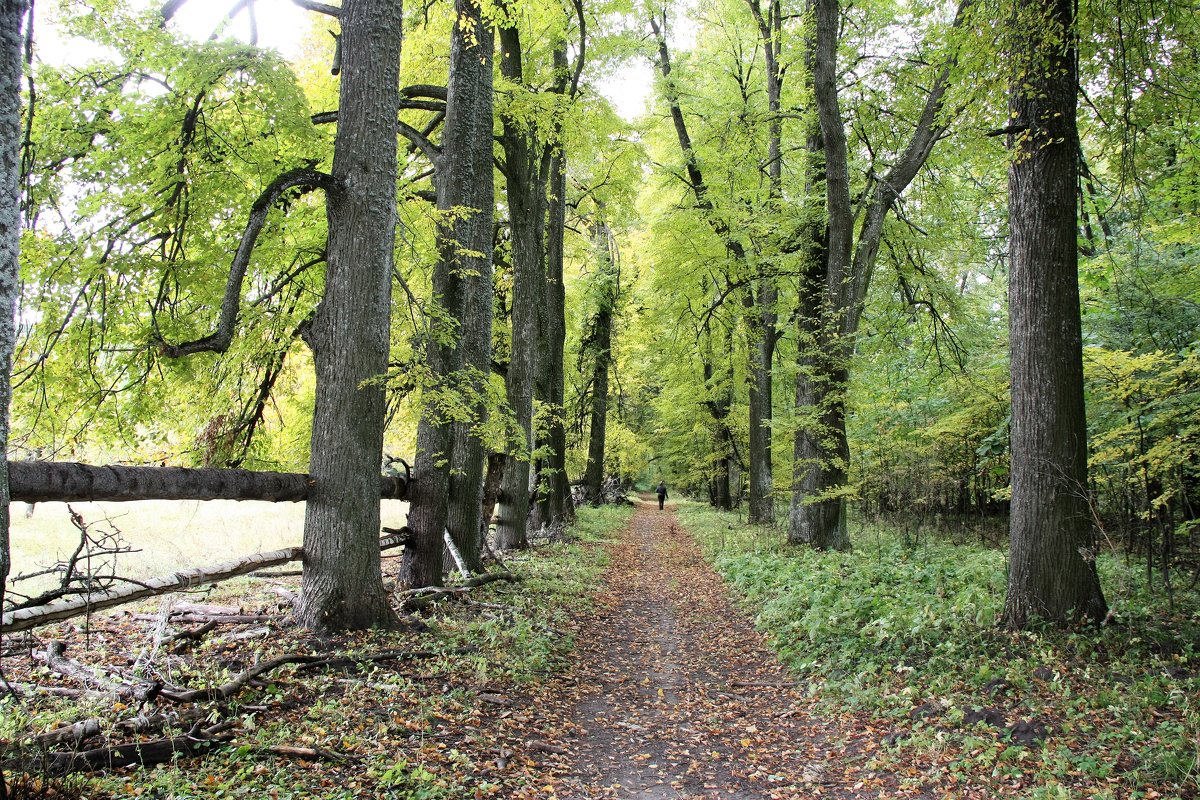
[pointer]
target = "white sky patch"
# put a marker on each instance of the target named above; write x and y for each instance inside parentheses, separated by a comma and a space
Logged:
(628, 89)
(281, 25)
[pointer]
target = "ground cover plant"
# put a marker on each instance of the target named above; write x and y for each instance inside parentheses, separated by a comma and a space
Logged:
(435, 721)
(905, 628)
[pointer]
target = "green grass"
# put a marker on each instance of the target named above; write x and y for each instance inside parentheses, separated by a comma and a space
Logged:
(888, 628)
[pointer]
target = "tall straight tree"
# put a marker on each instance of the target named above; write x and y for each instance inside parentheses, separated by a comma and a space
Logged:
(343, 585)
(555, 504)
(447, 490)
(1052, 573)
(11, 14)
(526, 173)
(349, 332)
(817, 515)
(597, 344)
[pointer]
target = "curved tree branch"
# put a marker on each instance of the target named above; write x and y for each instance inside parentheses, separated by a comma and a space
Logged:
(219, 340)
(929, 129)
(431, 151)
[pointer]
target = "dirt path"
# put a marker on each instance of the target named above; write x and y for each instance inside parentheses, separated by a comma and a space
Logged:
(674, 695)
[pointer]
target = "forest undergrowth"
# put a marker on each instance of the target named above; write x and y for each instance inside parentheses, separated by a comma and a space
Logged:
(905, 629)
(439, 726)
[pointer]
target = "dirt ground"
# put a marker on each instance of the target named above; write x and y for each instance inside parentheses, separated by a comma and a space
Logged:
(674, 694)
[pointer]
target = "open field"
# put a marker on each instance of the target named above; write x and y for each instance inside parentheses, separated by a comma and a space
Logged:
(169, 534)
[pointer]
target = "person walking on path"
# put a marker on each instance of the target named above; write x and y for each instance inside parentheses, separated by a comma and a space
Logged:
(662, 494)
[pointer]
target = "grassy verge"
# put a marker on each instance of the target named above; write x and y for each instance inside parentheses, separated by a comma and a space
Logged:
(436, 728)
(908, 634)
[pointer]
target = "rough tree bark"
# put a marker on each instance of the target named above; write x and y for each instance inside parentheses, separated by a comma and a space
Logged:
(343, 585)
(818, 509)
(555, 501)
(448, 489)
(526, 193)
(1052, 572)
(12, 12)
(558, 490)
(48, 481)
(804, 527)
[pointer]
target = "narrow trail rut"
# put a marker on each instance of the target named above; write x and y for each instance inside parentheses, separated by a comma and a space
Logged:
(674, 694)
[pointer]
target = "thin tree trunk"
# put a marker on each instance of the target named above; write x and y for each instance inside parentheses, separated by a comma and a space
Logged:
(343, 585)
(1052, 572)
(718, 403)
(761, 509)
(599, 344)
(762, 311)
(558, 488)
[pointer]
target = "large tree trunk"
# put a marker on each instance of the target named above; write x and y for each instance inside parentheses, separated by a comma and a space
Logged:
(12, 13)
(817, 515)
(526, 208)
(471, 90)
(811, 522)
(48, 481)
(448, 490)
(1052, 572)
(343, 585)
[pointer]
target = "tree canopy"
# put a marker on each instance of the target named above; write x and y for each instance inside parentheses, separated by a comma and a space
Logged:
(786, 283)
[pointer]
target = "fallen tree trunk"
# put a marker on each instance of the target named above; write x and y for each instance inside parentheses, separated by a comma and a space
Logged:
(69, 734)
(27, 618)
(303, 661)
(144, 754)
(419, 599)
(54, 657)
(216, 619)
(45, 481)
